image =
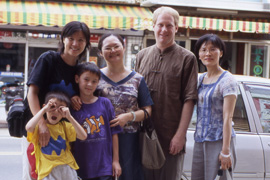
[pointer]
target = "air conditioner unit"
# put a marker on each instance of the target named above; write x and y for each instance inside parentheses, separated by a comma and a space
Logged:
(266, 6)
(147, 3)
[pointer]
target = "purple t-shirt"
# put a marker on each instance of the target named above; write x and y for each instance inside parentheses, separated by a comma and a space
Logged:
(94, 155)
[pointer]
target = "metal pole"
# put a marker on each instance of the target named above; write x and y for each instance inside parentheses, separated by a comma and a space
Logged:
(26, 64)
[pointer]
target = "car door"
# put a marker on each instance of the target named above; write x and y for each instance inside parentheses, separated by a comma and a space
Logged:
(249, 149)
(259, 96)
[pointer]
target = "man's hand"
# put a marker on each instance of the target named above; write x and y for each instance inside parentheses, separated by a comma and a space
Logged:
(176, 145)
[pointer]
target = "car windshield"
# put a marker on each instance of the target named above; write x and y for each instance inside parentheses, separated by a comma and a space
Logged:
(8, 79)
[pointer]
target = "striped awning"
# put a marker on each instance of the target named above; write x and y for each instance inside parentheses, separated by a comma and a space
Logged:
(33, 13)
(224, 24)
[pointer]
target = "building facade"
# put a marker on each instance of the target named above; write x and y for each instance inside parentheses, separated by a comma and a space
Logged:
(29, 28)
(244, 25)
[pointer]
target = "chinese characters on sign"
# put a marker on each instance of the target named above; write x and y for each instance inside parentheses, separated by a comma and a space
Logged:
(257, 64)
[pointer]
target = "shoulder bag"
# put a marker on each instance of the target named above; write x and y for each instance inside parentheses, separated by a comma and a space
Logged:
(151, 151)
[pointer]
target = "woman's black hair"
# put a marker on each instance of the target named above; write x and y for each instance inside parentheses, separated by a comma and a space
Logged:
(104, 36)
(61, 96)
(88, 66)
(217, 42)
(71, 28)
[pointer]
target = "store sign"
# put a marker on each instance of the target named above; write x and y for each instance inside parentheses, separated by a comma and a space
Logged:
(5, 33)
(94, 38)
(36, 35)
(258, 55)
(11, 74)
(9, 35)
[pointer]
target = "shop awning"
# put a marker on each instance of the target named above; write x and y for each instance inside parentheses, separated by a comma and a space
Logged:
(224, 24)
(35, 13)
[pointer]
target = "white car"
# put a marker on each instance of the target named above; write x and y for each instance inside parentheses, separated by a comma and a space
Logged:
(252, 125)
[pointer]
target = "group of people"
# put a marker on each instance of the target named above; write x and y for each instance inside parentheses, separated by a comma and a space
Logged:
(99, 111)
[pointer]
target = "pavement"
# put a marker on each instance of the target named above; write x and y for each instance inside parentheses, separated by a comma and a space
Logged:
(3, 116)
(3, 124)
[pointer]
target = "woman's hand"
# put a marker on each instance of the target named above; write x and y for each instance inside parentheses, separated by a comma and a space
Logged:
(225, 162)
(76, 103)
(117, 171)
(121, 120)
(44, 134)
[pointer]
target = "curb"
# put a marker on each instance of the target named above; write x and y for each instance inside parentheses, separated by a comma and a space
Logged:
(3, 124)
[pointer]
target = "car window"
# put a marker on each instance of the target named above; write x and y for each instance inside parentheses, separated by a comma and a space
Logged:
(240, 120)
(261, 98)
(8, 79)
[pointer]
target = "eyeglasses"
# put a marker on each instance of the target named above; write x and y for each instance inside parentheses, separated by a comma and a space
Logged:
(211, 50)
(112, 48)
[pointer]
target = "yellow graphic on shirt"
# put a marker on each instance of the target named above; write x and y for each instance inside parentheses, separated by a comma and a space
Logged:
(93, 124)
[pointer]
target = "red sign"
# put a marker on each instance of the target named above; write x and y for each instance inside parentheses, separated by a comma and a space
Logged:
(94, 38)
(5, 34)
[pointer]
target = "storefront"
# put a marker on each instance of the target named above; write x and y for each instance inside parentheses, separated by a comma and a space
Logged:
(29, 28)
(247, 41)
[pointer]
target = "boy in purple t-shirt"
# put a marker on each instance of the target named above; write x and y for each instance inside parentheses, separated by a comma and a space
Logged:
(98, 155)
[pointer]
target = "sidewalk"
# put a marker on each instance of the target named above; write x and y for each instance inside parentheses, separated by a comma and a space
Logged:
(3, 116)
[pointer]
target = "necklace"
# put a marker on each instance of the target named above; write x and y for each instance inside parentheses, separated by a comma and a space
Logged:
(214, 77)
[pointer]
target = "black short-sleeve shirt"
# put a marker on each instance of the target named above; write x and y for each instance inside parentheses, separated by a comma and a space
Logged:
(51, 73)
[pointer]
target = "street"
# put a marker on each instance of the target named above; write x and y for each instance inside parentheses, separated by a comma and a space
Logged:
(10, 156)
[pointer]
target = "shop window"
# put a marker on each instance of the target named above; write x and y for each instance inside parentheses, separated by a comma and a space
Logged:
(11, 69)
(34, 53)
(98, 59)
(12, 57)
(258, 59)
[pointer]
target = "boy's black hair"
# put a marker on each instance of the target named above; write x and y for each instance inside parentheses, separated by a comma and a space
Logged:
(61, 96)
(88, 66)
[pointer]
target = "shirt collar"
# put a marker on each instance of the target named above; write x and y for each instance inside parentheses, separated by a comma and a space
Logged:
(167, 50)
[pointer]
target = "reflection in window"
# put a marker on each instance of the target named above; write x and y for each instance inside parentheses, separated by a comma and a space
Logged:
(240, 120)
(261, 98)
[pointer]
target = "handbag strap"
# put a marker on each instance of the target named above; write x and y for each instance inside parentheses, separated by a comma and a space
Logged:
(146, 114)
(146, 125)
